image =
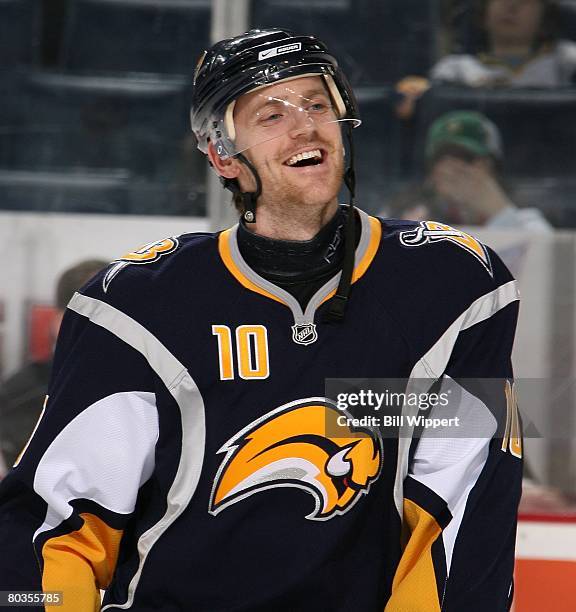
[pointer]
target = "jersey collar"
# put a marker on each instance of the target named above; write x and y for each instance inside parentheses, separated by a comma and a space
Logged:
(248, 278)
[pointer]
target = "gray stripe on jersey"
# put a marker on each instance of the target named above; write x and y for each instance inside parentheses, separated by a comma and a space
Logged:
(187, 395)
(431, 366)
(300, 317)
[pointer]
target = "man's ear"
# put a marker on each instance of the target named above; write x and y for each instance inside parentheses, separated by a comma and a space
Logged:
(228, 168)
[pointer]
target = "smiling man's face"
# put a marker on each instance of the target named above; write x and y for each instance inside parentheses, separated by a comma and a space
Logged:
(290, 133)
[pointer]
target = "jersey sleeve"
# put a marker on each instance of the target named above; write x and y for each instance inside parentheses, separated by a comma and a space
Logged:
(463, 482)
(66, 502)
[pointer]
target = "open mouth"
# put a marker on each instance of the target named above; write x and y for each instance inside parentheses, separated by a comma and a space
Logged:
(307, 158)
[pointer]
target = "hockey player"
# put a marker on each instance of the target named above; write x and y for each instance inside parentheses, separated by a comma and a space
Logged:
(188, 457)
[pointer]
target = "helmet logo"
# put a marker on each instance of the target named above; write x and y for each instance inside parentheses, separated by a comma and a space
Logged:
(304, 334)
(268, 53)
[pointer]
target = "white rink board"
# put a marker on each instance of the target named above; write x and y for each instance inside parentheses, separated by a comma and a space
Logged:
(546, 541)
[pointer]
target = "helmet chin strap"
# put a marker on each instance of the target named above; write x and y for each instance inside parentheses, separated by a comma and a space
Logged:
(338, 303)
(249, 198)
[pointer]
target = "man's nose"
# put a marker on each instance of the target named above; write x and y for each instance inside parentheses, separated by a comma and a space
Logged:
(302, 122)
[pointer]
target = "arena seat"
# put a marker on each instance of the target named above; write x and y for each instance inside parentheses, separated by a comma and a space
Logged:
(65, 121)
(20, 32)
(26, 190)
(97, 192)
(538, 126)
(164, 37)
(376, 41)
(73, 143)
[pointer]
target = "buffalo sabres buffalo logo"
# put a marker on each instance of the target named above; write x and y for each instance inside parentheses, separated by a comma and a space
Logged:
(304, 445)
(430, 231)
(147, 254)
(304, 334)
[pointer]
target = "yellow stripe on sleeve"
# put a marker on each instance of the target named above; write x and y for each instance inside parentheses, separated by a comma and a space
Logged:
(80, 563)
(414, 588)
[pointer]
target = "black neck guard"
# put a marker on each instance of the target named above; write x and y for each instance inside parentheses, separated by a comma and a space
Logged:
(295, 259)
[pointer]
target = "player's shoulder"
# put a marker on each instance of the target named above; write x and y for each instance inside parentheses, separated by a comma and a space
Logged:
(151, 267)
(435, 250)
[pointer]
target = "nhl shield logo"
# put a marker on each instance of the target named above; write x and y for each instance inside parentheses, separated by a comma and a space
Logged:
(304, 334)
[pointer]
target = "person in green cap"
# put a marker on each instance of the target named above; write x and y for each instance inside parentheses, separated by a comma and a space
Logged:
(464, 184)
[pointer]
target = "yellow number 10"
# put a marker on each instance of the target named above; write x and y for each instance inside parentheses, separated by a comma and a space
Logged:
(251, 351)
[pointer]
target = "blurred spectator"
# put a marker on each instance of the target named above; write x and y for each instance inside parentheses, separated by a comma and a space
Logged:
(22, 395)
(519, 49)
(464, 183)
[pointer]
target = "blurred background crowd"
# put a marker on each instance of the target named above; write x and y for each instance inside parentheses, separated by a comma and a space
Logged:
(94, 96)
(469, 118)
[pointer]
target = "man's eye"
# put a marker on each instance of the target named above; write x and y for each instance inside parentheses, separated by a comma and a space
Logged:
(271, 118)
(318, 107)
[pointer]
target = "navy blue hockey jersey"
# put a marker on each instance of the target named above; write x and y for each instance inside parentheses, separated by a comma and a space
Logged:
(188, 457)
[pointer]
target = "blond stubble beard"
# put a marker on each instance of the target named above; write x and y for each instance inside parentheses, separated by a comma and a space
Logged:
(291, 200)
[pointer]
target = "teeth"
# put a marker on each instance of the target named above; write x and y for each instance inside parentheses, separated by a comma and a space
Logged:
(306, 155)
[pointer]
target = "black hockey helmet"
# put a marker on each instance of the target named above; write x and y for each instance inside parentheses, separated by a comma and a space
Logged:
(258, 58)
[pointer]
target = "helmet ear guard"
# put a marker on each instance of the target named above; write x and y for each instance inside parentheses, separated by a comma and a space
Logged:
(336, 97)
